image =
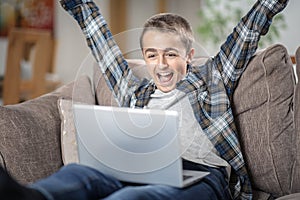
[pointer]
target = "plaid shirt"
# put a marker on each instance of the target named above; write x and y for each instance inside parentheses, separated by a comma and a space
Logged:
(209, 87)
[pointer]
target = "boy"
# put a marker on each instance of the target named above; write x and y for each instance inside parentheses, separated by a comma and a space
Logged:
(208, 131)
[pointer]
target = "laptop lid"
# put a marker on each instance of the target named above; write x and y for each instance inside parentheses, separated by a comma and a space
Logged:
(133, 145)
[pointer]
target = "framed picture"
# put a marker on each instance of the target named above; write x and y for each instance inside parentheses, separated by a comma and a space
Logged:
(37, 14)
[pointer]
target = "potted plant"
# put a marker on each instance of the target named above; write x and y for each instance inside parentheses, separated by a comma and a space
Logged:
(217, 18)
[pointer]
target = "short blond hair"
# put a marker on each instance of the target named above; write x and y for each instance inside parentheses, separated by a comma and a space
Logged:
(169, 22)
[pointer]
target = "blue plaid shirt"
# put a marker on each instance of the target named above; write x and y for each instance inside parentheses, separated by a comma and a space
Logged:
(209, 87)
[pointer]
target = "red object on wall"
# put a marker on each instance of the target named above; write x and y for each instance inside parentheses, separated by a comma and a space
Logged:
(38, 14)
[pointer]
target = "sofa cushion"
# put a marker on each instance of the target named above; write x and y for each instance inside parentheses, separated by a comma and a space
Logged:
(68, 134)
(296, 169)
(30, 135)
(295, 196)
(2, 163)
(68, 138)
(263, 109)
(104, 96)
(82, 94)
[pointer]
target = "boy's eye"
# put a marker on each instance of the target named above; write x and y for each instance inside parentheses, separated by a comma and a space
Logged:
(151, 55)
(171, 54)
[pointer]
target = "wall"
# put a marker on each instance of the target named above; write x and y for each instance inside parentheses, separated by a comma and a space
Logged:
(291, 36)
(72, 52)
(3, 45)
(72, 49)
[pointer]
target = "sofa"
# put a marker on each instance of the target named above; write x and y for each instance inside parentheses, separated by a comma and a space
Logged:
(37, 136)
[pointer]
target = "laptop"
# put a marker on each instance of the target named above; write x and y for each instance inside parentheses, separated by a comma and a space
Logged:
(132, 145)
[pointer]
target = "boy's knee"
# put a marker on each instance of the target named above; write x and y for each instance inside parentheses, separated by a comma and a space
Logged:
(73, 167)
(148, 192)
(133, 193)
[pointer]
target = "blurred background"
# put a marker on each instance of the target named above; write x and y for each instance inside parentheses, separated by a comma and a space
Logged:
(125, 16)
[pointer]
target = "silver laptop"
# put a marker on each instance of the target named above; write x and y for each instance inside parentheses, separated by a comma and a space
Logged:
(133, 145)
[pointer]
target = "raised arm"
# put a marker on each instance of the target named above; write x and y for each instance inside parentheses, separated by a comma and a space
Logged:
(105, 50)
(242, 43)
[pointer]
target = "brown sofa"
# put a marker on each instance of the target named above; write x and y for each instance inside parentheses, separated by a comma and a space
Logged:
(36, 135)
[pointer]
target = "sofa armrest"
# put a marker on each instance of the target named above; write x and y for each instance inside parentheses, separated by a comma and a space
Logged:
(30, 132)
(29, 138)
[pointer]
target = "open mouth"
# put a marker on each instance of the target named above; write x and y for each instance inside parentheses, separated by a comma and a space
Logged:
(165, 77)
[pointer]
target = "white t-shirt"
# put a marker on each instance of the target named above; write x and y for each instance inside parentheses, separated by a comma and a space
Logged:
(196, 146)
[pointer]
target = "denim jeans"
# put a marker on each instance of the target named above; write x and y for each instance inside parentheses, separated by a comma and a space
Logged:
(80, 182)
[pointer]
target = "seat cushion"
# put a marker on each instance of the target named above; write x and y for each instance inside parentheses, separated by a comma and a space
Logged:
(263, 109)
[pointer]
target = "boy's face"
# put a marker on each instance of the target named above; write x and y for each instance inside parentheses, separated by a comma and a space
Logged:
(166, 58)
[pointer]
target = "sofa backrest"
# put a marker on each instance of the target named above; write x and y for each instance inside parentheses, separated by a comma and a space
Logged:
(263, 109)
(296, 168)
